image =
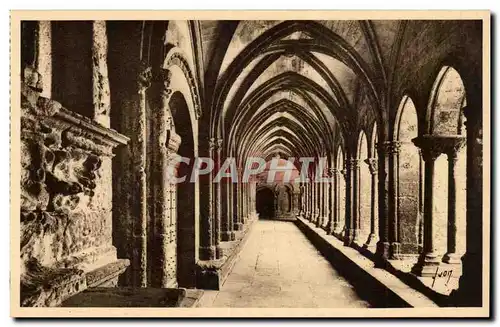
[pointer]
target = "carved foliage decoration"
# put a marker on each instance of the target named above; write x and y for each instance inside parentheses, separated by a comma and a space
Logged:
(65, 172)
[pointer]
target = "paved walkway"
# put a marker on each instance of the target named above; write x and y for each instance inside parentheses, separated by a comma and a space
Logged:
(279, 267)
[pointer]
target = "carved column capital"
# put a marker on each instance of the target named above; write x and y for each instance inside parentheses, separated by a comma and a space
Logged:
(430, 146)
(389, 147)
(372, 165)
(453, 146)
(333, 172)
(354, 163)
(215, 144)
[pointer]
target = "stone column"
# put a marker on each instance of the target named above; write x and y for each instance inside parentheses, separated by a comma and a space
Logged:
(332, 203)
(308, 199)
(166, 143)
(326, 204)
(316, 202)
(454, 146)
(227, 233)
(38, 75)
(393, 152)
(100, 80)
(207, 248)
(356, 219)
(313, 199)
(215, 152)
(321, 201)
(384, 188)
(244, 203)
(335, 209)
(139, 211)
(431, 150)
(349, 199)
(373, 237)
(164, 245)
(236, 211)
(342, 225)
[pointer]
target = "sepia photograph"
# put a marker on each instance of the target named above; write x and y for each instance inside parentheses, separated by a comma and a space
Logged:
(250, 164)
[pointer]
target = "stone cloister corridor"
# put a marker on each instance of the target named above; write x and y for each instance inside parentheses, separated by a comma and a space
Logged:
(252, 163)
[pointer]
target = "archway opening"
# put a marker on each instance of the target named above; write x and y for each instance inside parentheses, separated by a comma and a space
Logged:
(447, 120)
(265, 203)
(186, 235)
(409, 200)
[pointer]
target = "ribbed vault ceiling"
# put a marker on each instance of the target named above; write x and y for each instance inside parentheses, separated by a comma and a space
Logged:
(290, 88)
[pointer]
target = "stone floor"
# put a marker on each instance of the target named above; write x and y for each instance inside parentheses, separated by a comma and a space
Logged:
(279, 267)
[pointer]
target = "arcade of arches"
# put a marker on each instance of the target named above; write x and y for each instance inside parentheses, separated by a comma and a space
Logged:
(395, 107)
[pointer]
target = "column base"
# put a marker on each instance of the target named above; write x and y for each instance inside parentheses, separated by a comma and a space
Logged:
(218, 252)
(382, 254)
(356, 237)
(348, 237)
(329, 228)
(319, 222)
(238, 226)
(371, 242)
(227, 236)
(395, 253)
(207, 253)
(452, 259)
(426, 265)
(337, 231)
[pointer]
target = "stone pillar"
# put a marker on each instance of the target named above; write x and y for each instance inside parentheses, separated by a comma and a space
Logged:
(393, 152)
(164, 245)
(236, 209)
(244, 213)
(452, 152)
(326, 223)
(166, 143)
(349, 199)
(356, 219)
(383, 245)
(313, 199)
(373, 236)
(321, 201)
(342, 225)
(139, 210)
(470, 291)
(335, 207)
(100, 80)
(38, 75)
(316, 202)
(431, 150)
(309, 200)
(332, 204)
(207, 248)
(215, 153)
(227, 233)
